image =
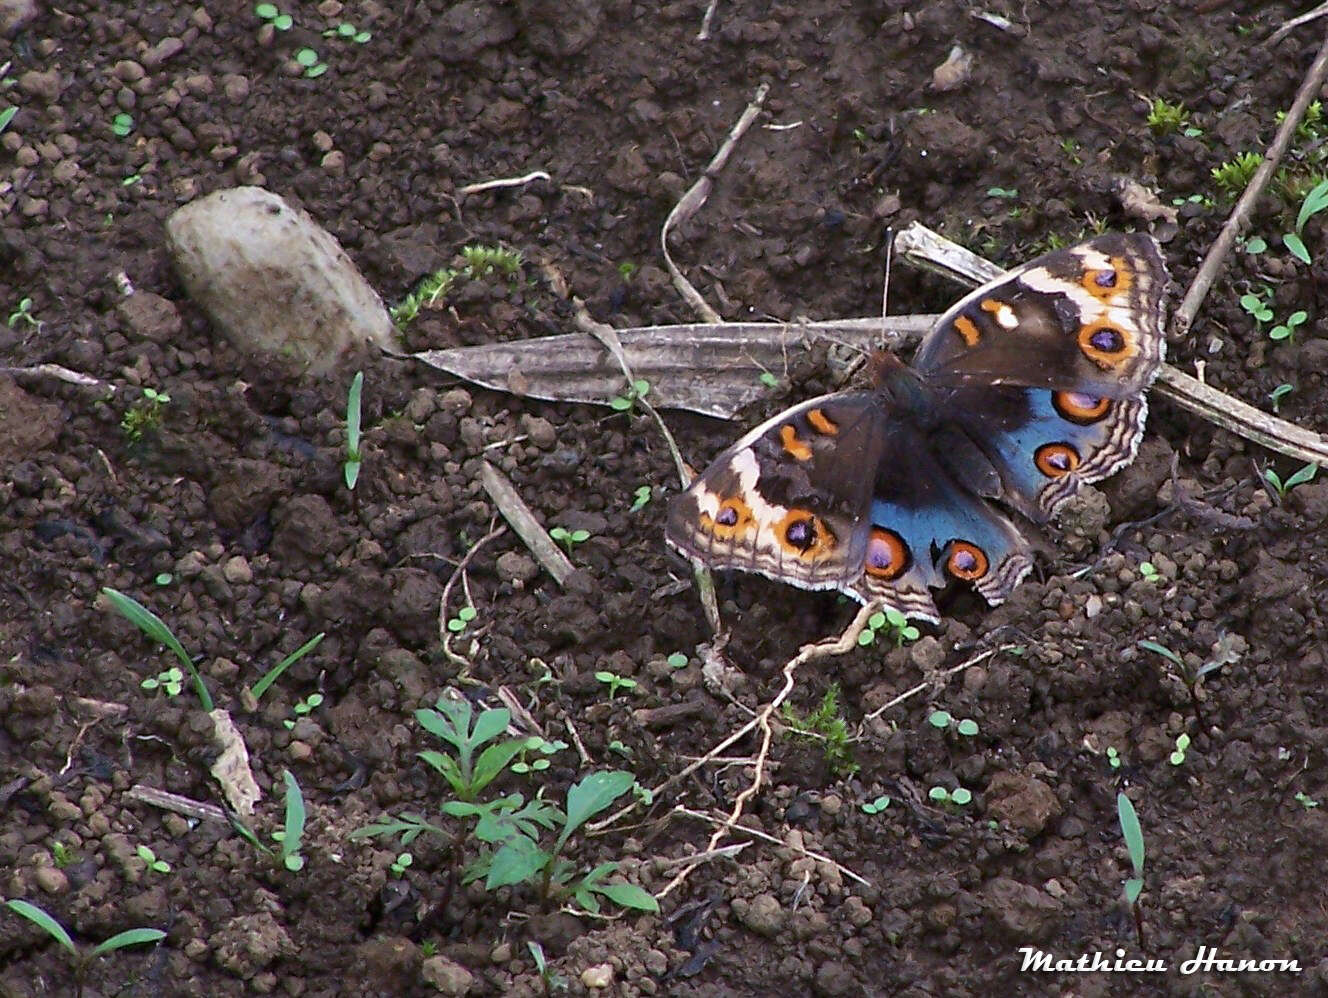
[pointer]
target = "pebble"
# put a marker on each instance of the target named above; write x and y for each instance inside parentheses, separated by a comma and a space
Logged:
(447, 976)
(598, 976)
(50, 880)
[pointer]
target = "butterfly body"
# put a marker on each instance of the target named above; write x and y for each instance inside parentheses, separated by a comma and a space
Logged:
(1026, 389)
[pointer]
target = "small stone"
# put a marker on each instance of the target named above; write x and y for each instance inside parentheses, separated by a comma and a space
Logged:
(513, 566)
(763, 914)
(927, 654)
(237, 571)
(541, 431)
(50, 880)
(447, 976)
(334, 163)
(598, 976)
(167, 48)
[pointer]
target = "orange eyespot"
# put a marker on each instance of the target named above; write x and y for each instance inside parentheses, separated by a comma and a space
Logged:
(802, 534)
(788, 436)
(732, 519)
(822, 423)
(1056, 460)
(1106, 284)
(1105, 344)
(1080, 408)
(887, 555)
(968, 330)
(966, 561)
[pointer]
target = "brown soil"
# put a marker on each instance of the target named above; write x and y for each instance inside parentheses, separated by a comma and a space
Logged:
(237, 496)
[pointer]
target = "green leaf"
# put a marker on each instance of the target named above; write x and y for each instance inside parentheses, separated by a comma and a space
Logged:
(591, 796)
(1134, 835)
(492, 761)
(6, 116)
(448, 768)
(939, 719)
(1162, 650)
(1256, 244)
(516, 862)
(489, 725)
(1133, 888)
(968, 727)
(1296, 245)
(295, 815)
(130, 937)
(153, 626)
(266, 11)
(450, 722)
(629, 896)
(1315, 202)
(261, 687)
(1302, 476)
(34, 914)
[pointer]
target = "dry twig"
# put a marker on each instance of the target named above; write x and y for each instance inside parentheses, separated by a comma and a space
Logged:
(444, 635)
(518, 514)
(766, 837)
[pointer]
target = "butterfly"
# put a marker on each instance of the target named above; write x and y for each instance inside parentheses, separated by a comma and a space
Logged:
(1025, 390)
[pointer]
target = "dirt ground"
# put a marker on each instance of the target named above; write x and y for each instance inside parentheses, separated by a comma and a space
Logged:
(229, 518)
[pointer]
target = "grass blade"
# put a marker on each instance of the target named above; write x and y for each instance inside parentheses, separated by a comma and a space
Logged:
(261, 687)
(130, 937)
(155, 628)
(37, 915)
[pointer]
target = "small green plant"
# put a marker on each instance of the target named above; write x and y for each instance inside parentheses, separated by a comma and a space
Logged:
(1306, 801)
(551, 981)
(944, 719)
(401, 864)
(351, 465)
(768, 379)
(122, 124)
(171, 682)
(876, 806)
(1113, 757)
(641, 498)
(1300, 477)
(304, 708)
(625, 402)
(1005, 193)
(1255, 245)
(627, 270)
(81, 959)
(150, 858)
(1177, 756)
(151, 625)
(291, 837)
(1165, 118)
(273, 674)
(269, 12)
(1257, 306)
(959, 796)
(462, 619)
(426, 295)
(1287, 329)
(1071, 149)
(569, 538)
(1279, 393)
(544, 749)
(676, 661)
(61, 854)
(827, 726)
(145, 415)
(484, 260)
(7, 115)
(23, 314)
(314, 67)
(1315, 201)
(452, 722)
(891, 621)
(1149, 571)
(1134, 845)
(348, 32)
(1234, 175)
(615, 682)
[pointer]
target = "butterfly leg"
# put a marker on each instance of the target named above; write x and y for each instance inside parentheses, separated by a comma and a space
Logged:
(846, 642)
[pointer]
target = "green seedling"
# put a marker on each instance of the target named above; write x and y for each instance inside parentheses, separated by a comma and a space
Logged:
(304, 708)
(620, 748)
(569, 538)
(1300, 477)
(1165, 118)
(876, 806)
(1315, 201)
(81, 959)
(291, 837)
(481, 261)
(1234, 175)
(61, 854)
(269, 12)
(676, 661)
(1134, 845)
(171, 681)
(351, 466)
(626, 270)
(943, 719)
(891, 621)
(551, 981)
(463, 618)
(1306, 801)
(7, 115)
(151, 625)
(615, 682)
(273, 674)
(150, 858)
(122, 124)
(625, 402)
(1286, 330)
(313, 66)
(1149, 571)
(959, 796)
(426, 295)
(452, 722)
(1005, 193)
(1177, 756)
(1255, 245)
(825, 724)
(641, 498)
(23, 314)
(768, 379)
(1257, 307)
(1113, 757)
(401, 864)
(1279, 393)
(145, 415)
(645, 795)
(163, 578)
(1224, 653)
(536, 744)
(348, 32)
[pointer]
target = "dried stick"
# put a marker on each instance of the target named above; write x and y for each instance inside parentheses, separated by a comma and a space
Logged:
(443, 634)
(982, 657)
(766, 836)
(1221, 248)
(921, 246)
(174, 802)
(696, 196)
(518, 514)
(1295, 23)
(488, 185)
